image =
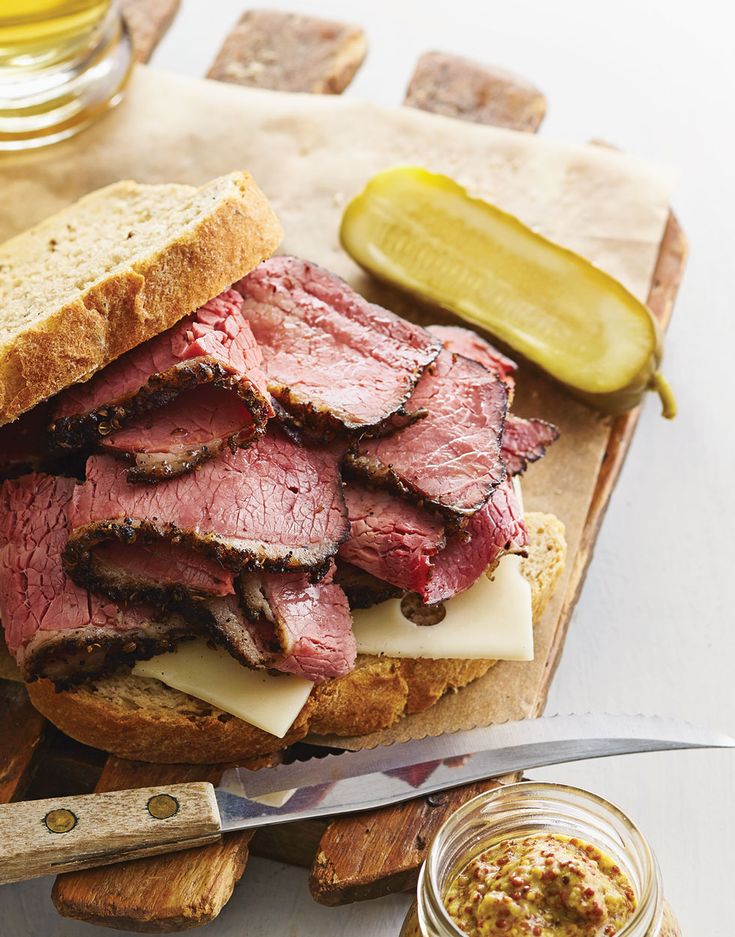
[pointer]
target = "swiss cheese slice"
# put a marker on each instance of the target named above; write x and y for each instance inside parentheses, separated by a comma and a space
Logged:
(492, 620)
(213, 675)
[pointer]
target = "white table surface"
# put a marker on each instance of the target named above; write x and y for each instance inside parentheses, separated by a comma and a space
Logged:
(654, 630)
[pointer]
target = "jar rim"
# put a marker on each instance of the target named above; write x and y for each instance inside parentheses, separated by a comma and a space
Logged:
(650, 891)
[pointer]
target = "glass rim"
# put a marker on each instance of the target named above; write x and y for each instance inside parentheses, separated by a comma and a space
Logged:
(53, 100)
(650, 885)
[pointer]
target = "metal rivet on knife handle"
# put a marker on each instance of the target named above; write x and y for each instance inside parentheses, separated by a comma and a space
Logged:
(62, 834)
(60, 821)
(163, 806)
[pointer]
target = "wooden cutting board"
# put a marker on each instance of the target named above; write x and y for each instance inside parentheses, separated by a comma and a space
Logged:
(353, 858)
(380, 852)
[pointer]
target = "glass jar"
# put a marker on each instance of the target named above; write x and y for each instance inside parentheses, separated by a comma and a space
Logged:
(63, 63)
(534, 808)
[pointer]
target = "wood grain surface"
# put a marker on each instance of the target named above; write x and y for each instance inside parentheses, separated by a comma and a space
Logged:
(482, 94)
(21, 734)
(39, 837)
(148, 21)
(393, 842)
(161, 893)
(290, 52)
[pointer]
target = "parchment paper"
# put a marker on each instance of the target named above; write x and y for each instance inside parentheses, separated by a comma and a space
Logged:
(310, 154)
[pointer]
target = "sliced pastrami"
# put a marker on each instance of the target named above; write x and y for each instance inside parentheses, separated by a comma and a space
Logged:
(176, 400)
(54, 628)
(286, 622)
(526, 441)
(181, 435)
(276, 505)
(334, 361)
(310, 622)
(450, 459)
(188, 574)
(251, 641)
(465, 342)
(401, 544)
(495, 529)
(391, 538)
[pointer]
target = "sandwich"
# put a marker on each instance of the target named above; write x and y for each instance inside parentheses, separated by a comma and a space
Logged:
(242, 503)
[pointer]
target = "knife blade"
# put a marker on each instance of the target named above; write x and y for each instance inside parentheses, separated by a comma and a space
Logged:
(67, 833)
(378, 777)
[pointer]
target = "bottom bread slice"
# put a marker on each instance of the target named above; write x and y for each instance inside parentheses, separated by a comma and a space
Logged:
(144, 720)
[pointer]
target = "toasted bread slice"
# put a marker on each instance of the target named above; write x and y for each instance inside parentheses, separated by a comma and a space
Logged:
(116, 268)
(143, 719)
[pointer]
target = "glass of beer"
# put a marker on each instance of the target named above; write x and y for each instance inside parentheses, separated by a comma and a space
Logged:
(62, 64)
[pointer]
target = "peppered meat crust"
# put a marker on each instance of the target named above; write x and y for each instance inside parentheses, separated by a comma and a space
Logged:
(335, 362)
(212, 348)
(276, 506)
(451, 460)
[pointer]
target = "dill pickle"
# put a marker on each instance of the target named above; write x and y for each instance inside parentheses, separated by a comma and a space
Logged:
(424, 233)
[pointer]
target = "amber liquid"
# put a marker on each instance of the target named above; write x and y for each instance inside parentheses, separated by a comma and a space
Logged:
(62, 63)
(37, 33)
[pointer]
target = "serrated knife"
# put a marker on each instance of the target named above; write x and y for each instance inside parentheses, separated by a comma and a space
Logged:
(61, 834)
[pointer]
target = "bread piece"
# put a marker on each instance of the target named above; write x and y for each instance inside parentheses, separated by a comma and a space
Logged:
(143, 719)
(116, 268)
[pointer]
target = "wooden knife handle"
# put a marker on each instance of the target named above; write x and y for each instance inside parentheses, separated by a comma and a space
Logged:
(40, 837)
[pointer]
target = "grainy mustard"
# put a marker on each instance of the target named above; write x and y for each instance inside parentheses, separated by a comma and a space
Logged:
(541, 886)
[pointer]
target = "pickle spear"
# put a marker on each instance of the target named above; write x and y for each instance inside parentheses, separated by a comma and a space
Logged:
(424, 233)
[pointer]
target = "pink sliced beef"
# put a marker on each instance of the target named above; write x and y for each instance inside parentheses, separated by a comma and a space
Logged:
(313, 625)
(391, 538)
(402, 544)
(495, 529)
(469, 344)
(56, 629)
(310, 622)
(53, 627)
(334, 361)
(526, 441)
(285, 622)
(179, 436)
(175, 401)
(277, 506)
(449, 460)
(250, 640)
(187, 573)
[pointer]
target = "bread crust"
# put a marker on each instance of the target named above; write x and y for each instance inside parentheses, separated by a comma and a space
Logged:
(147, 721)
(131, 306)
(375, 695)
